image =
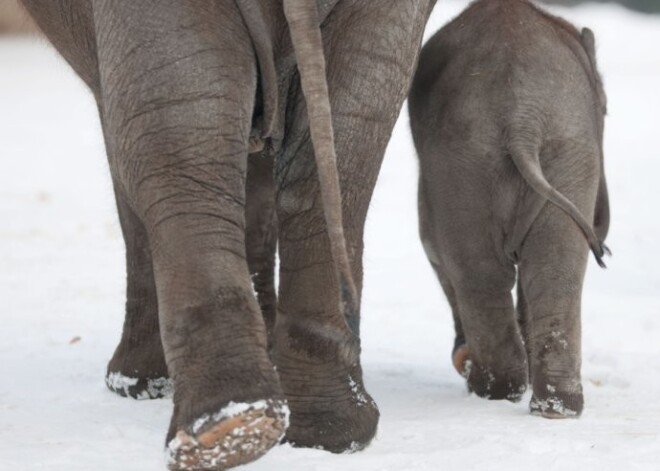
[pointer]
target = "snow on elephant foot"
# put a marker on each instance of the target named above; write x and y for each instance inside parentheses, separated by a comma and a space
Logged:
(558, 405)
(139, 388)
(236, 435)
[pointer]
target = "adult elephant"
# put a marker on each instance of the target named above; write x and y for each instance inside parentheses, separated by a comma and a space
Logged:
(186, 90)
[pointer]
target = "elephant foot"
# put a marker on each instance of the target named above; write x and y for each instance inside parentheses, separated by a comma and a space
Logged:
(236, 435)
(322, 381)
(496, 385)
(557, 405)
(139, 371)
(342, 424)
(502, 380)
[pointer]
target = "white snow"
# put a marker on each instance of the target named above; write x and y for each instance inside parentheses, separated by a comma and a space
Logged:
(159, 387)
(552, 404)
(119, 381)
(156, 387)
(62, 276)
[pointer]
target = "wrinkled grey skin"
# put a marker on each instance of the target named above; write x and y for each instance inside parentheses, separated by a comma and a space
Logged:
(185, 91)
(507, 97)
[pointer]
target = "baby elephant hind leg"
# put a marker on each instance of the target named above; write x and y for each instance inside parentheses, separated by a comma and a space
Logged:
(497, 367)
(551, 276)
(460, 354)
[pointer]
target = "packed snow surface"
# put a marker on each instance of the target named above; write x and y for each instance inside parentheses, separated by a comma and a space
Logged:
(62, 277)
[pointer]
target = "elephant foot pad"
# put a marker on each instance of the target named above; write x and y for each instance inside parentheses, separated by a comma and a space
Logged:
(139, 388)
(461, 360)
(238, 434)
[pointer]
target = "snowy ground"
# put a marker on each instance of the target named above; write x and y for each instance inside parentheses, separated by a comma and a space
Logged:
(62, 278)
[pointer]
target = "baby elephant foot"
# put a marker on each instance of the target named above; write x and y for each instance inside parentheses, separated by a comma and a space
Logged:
(235, 435)
(139, 371)
(551, 402)
(496, 384)
(322, 380)
(494, 381)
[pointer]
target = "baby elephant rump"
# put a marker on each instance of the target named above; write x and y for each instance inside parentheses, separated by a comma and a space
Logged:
(507, 110)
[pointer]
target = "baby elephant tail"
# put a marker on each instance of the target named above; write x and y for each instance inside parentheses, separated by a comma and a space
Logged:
(530, 168)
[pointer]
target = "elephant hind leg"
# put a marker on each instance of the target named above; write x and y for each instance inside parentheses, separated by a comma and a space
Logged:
(522, 312)
(177, 115)
(460, 353)
(137, 368)
(497, 366)
(551, 275)
(317, 342)
(488, 349)
(478, 285)
(261, 235)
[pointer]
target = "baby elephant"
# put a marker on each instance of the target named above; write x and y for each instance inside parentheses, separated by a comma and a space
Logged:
(507, 112)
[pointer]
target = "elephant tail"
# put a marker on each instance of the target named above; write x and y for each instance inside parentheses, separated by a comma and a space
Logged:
(529, 167)
(602, 214)
(303, 21)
